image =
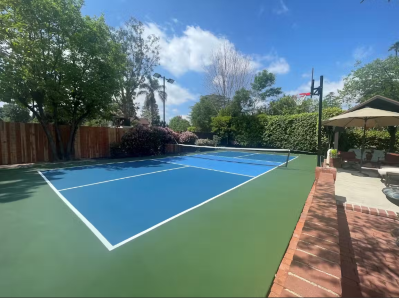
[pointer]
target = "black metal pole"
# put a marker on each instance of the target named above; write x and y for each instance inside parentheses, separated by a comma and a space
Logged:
(319, 126)
(163, 101)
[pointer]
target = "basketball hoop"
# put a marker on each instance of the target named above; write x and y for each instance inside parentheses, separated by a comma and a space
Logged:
(301, 97)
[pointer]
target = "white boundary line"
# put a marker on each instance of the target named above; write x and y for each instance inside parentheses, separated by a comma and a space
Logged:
(106, 181)
(180, 164)
(78, 214)
(108, 245)
(237, 149)
(242, 155)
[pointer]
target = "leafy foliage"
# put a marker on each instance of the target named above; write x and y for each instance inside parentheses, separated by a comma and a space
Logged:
(150, 109)
(178, 123)
(15, 113)
(380, 77)
(207, 107)
(142, 54)
(296, 132)
(192, 128)
(187, 137)
(205, 142)
(143, 141)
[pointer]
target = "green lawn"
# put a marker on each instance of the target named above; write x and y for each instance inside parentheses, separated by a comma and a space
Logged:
(231, 246)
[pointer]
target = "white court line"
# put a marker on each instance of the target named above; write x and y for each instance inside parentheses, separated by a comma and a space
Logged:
(244, 155)
(78, 214)
(180, 164)
(188, 210)
(128, 177)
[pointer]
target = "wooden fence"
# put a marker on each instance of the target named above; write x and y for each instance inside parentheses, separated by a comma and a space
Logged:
(27, 142)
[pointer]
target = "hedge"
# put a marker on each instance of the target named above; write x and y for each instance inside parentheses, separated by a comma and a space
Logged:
(297, 132)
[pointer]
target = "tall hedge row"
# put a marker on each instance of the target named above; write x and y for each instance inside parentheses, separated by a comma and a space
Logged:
(296, 132)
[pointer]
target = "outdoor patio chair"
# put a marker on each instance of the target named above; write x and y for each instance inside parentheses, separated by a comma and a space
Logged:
(391, 159)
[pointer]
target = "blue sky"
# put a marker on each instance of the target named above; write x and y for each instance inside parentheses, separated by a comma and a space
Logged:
(285, 36)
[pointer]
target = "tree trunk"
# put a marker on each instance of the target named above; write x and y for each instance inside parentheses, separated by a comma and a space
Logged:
(71, 141)
(50, 139)
(392, 140)
(58, 133)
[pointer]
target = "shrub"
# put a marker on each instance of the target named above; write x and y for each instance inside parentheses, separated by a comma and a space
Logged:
(143, 141)
(116, 150)
(205, 142)
(187, 137)
(192, 128)
(174, 136)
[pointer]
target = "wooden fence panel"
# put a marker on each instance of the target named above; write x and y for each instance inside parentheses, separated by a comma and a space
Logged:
(27, 142)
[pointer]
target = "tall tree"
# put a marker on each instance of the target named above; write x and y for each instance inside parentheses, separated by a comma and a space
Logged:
(380, 77)
(395, 48)
(150, 107)
(14, 113)
(262, 87)
(179, 124)
(228, 71)
(142, 56)
(207, 107)
(331, 101)
(285, 105)
(61, 66)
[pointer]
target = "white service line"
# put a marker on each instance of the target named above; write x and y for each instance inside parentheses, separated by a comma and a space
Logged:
(180, 164)
(245, 155)
(78, 214)
(128, 177)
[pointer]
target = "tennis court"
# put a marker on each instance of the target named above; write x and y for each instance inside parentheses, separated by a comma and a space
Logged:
(203, 223)
(118, 201)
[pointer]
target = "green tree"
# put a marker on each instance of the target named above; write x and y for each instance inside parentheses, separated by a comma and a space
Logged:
(61, 66)
(142, 56)
(262, 87)
(285, 105)
(178, 123)
(331, 101)
(395, 48)
(207, 107)
(15, 113)
(242, 103)
(150, 108)
(380, 77)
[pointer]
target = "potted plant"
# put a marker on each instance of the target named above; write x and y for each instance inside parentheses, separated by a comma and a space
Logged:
(335, 161)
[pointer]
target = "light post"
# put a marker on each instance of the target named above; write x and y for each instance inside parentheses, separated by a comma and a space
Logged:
(163, 97)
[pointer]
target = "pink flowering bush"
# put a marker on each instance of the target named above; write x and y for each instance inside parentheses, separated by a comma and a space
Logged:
(187, 138)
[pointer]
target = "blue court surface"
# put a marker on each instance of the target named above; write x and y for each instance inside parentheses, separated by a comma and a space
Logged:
(122, 201)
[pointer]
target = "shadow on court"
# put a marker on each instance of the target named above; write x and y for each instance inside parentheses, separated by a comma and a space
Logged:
(18, 184)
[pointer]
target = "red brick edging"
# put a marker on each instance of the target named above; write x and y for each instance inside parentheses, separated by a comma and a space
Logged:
(369, 210)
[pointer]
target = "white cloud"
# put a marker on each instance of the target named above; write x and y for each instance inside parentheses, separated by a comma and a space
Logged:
(176, 21)
(272, 62)
(187, 117)
(305, 75)
(329, 86)
(192, 50)
(282, 9)
(279, 66)
(362, 52)
(187, 52)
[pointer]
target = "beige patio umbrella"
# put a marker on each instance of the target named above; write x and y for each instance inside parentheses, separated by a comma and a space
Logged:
(366, 118)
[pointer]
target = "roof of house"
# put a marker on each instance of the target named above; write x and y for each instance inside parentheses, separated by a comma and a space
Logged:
(378, 102)
(144, 121)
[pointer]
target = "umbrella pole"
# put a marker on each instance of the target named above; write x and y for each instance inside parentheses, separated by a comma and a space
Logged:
(364, 142)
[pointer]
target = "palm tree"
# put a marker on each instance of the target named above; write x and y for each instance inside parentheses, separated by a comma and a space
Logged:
(395, 47)
(150, 107)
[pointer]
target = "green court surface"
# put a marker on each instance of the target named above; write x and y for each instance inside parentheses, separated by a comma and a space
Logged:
(231, 246)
